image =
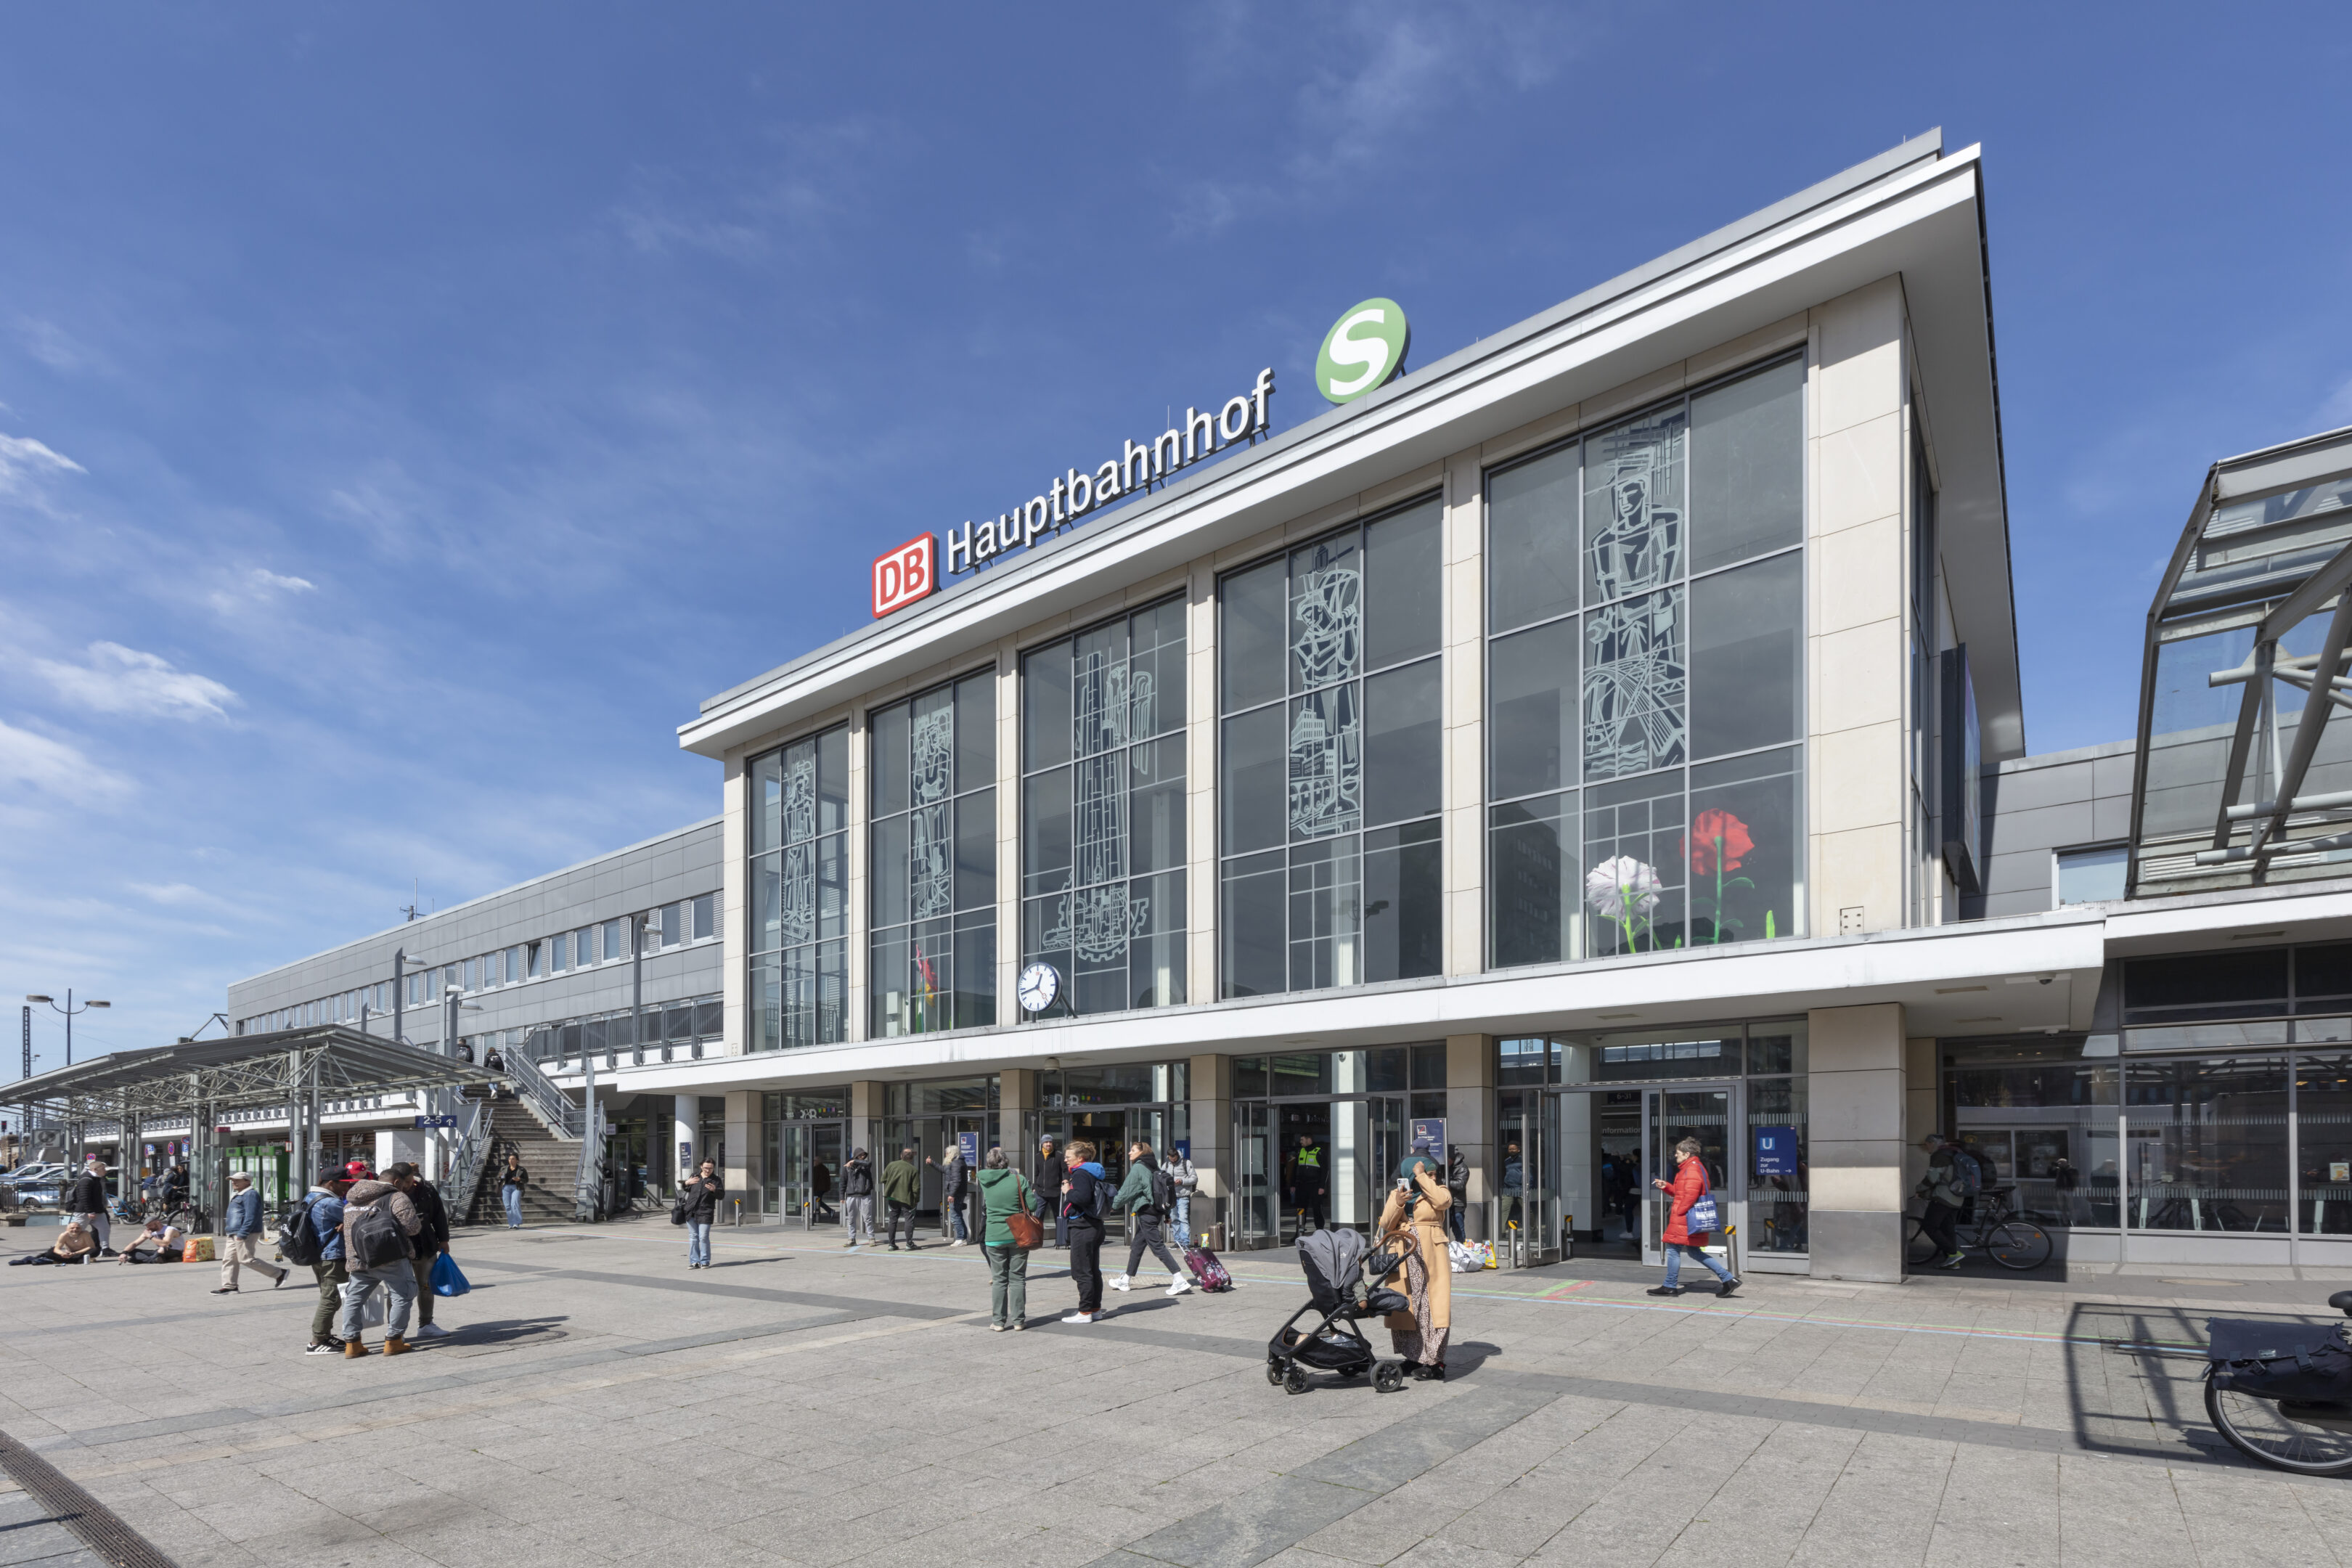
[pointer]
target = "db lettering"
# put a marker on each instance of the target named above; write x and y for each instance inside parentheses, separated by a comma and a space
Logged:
(905, 574)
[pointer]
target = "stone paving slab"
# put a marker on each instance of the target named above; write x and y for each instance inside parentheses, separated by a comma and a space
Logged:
(801, 1404)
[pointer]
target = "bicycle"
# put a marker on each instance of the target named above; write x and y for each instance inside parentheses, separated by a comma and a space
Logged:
(2000, 1234)
(2309, 1435)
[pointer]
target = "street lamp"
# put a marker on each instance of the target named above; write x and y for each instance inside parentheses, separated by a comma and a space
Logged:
(72, 1012)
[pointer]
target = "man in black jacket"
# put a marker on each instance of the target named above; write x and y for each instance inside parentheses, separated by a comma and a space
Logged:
(1457, 1184)
(86, 1201)
(857, 1196)
(431, 1240)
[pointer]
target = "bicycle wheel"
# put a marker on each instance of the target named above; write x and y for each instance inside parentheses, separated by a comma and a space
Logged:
(2013, 1243)
(2259, 1429)
(1918, 1246)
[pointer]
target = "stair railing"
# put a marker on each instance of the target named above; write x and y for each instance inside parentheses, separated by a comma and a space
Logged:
(553, 1107)
(467, 1161)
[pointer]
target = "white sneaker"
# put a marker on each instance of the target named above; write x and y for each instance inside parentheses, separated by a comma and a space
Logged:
(1178, 1285)
(1118, 1282)
(431, 1331)
(1079, 1318)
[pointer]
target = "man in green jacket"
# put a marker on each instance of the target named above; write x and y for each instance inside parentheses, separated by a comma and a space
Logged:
(902, 1188)
(1144, 1219)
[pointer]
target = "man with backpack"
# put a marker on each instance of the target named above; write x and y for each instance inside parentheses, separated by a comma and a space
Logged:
(1086, 1195)
(312, 1235)
(1146, 1196)
(902, 1189)
(240, 1248)
(378, 1221)
(1943, 1189)
(432, 1240)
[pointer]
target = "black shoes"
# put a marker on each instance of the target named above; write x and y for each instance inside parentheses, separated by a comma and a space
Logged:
(1663, 1290)
(226, 1291)
(1423, 1374)
(1721, 1292)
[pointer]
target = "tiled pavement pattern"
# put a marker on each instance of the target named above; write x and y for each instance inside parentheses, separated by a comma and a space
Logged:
(799, 1405)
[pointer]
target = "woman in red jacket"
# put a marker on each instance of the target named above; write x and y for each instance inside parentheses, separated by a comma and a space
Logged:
(1688, 1187)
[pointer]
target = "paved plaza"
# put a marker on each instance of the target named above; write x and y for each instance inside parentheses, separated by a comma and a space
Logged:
(796, 1404)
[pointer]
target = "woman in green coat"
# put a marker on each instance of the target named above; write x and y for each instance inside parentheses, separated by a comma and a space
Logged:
(1004, 1192)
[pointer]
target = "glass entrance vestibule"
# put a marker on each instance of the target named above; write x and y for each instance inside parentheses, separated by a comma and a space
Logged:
(804, 1139)
(1318, 1136)
(1585, 1123)
(1113, 1108)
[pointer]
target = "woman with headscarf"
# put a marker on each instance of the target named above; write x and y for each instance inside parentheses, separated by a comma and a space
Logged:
(1415, 1218)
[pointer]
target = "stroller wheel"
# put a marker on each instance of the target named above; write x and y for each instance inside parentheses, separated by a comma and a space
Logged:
(1294, 1381)
(1274, 1372)
(1388, 1378)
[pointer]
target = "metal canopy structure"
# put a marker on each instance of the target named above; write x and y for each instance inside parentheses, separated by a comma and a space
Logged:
(240, 1072)
(2239, 779)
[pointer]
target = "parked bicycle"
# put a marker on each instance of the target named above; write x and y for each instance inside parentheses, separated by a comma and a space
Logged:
(1998, 1231)
(2281, 1393)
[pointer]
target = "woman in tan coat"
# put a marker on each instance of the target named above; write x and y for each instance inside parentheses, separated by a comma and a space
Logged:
(1416, 1214)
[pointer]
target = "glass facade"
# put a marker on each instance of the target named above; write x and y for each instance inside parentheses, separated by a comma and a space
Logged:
(1318, 1135)
(1102, 812)
(798, 913)
(1332, 756)
(1645, 664)
(932, 860)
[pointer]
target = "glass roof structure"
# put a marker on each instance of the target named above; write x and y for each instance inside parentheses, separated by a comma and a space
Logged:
(2241, 779)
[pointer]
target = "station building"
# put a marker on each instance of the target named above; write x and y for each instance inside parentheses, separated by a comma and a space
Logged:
(1607, 733)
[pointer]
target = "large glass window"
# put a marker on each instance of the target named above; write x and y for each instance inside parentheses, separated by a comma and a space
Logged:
(1645, 664)
(1102, 812)
(2208, 1141)
(933, 861)
(1332, 754)
(798, 910)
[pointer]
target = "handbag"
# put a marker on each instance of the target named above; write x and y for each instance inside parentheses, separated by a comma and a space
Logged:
(449, 1279)
(1028, 1234)
(678, 1209)
(1701, 1218)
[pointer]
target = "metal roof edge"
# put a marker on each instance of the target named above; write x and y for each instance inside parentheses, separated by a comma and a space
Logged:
(1859, 177)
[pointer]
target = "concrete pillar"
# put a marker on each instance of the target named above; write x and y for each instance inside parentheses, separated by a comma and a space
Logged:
(1212, 1139)
(1856, 1142)
(1922, 1107)
(1203, 906)
(686, 1121)
(1463, 709)
(745, 1150)
(1016, 1102)
(867, 1100)
(1470, 1117)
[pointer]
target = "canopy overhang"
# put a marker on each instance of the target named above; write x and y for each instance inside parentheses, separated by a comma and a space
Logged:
(239, 1072)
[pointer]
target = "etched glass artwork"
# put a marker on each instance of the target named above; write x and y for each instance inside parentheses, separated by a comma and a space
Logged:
(798, 968)
(932, 761)
(1635, 686)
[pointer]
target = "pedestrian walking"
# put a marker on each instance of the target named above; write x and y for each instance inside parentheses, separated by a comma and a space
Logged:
(77, 1243)
(239, 1247)
(432, 1240)
(1457, 1187)
(1083, 1223)
(1004, 1192)
(1145, 1197)
(857, 1196)
(324, 1203)
(1415, 1216)
(1944, 1190)
(85, 1200)
(1053, 1169)
(1186, 1181)
(902, 1189)
(953, 1190)
(378, 1221)
(512, 1183)
(1689, 1186)
(698, 1201)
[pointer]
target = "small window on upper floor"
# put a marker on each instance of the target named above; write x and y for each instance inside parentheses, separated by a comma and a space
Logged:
(706, 916)
(2091, 874)
(672, 931)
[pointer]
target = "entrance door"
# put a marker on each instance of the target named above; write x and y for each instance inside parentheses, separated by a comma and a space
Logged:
(1669, 1116)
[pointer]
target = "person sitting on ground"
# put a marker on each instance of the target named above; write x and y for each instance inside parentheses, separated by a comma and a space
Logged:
(902, 1188)
(74, 1244)
(163, 1242)
(1144, 1218)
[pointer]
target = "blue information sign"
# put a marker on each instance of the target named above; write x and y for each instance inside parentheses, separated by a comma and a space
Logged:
(1776, 1151)
(968, 1145)
(437, 1121)
(1429, 1131)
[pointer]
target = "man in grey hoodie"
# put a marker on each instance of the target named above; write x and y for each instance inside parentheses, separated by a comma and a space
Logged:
(378, 1221)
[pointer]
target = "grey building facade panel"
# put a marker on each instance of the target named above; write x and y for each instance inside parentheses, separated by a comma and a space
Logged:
(2034, 806)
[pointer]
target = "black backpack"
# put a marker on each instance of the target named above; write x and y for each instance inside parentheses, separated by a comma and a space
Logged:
(376, 1236)
(298, 1236)
(1163, 1192)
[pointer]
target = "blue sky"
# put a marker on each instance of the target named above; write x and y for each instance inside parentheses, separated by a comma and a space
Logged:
(407, 416)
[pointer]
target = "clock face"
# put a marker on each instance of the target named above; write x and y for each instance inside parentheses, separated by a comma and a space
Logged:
(1040, 984)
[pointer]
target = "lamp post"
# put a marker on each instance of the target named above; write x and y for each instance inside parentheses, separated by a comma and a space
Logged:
(70, 1011)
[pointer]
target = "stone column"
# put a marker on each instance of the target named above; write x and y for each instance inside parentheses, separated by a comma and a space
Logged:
(682, 1154)
(1212, 1139)
(1016, 1101)
(867, 1100)
(1855, 1147)
(1470, 1119)
(1202, 903)
(744, 1171)
(1922, 1107)
(1464, 706)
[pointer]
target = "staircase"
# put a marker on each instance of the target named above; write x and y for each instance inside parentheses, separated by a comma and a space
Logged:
(554, 1164)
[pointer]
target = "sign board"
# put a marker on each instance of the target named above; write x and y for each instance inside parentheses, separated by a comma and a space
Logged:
(1429, 1129)
(905, 574)
(686, 1154)
(1776, 1151)
(437, 1121)
(2339, 1169)
(1363, 350)
(968, 1145)
(1183, 1147)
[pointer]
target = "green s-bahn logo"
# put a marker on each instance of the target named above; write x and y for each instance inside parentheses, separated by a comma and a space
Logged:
(1363, 350)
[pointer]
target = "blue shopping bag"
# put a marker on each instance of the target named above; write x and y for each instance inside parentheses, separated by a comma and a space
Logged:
(1700, 1219)
(447, 1280)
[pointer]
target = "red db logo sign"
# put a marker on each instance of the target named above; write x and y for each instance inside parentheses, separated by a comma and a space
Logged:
(905, 574)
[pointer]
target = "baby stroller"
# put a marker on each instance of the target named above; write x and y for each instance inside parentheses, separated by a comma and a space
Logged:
(1343, 1285)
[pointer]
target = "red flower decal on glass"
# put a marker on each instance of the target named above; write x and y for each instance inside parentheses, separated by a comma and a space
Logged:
(1717, 833)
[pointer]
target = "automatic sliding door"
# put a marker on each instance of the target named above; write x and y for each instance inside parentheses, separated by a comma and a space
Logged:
(1671, 1115)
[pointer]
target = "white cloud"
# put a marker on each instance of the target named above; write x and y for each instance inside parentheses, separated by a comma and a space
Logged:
(53, 768)
(180, 895)
(265, 579)
(24, 461)
(257, 585)
(119, 680)
(53, 345)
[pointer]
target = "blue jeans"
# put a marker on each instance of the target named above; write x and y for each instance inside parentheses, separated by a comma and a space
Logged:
(513, 1197)
(1674, 1250)
(697, 1242)
(1182, 1217)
